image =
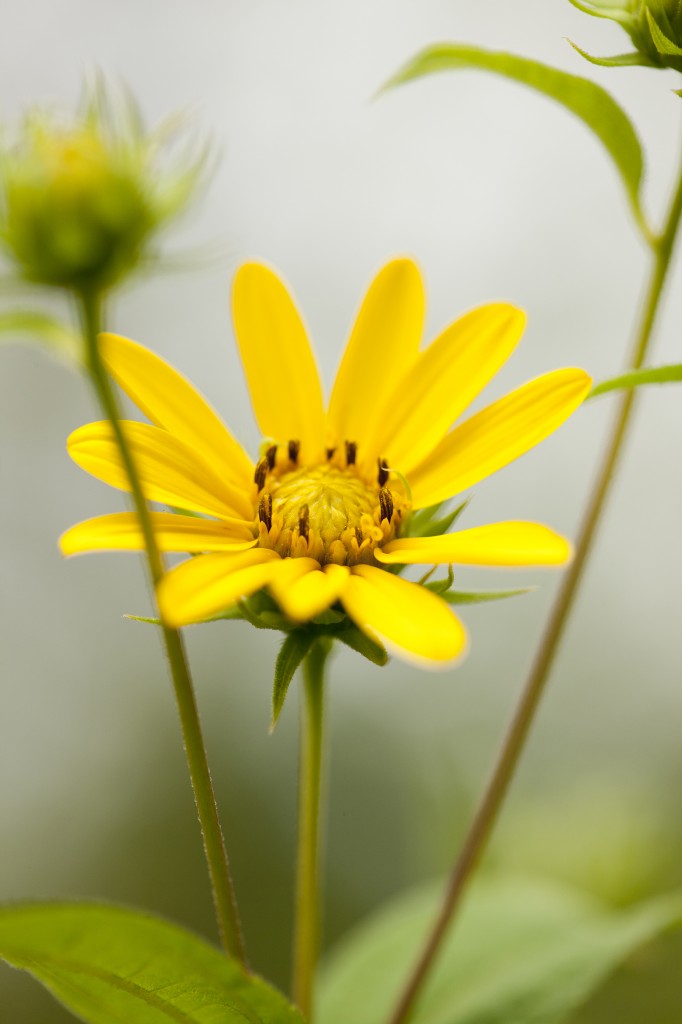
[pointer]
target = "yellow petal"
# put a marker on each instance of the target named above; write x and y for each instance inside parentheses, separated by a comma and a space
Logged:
(505, 544)
(409, 620)
(278, 361)
(445, 380)
(382, 346)
(121, 531)
(311, 593)
(497, 435)
(208, 584)
(171, 402)
(171, 472)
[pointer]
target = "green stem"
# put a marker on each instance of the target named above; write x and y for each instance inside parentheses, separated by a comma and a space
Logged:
(517, 731)
(307, 919)
(90, 308)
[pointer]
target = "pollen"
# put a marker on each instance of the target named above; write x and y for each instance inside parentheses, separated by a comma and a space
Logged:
(328, 511)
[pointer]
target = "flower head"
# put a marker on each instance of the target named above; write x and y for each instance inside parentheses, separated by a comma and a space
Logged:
(81, 197)
(329, 512)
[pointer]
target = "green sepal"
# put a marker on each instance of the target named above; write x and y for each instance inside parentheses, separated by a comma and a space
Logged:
(588, 101)
(296, 645)
(623, 17)
(359, 642)
(636, 378)
(660, 39)
(621, 60)
(57, 337)
(476, 596)
(109, 964)
(427, 523)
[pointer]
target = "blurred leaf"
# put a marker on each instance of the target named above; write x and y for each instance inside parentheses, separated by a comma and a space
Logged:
(621, 60)
(635, 379)
(476, 596)
(592, 104)
(292, 652)
(108, 965)
(522, 951)
(428, 522)
(357, 641)
(608, 10)
(41, 328)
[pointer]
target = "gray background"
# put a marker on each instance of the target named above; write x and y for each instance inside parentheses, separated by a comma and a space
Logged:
(498, 194)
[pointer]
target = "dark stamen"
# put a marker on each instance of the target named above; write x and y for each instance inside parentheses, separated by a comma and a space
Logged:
(294, 447)
(330, 453)
(304, 521)
(265, 510)
(383, 472)
(358, 535)
(385, 504)
(271, 455)
(261, 473)
(351, 452)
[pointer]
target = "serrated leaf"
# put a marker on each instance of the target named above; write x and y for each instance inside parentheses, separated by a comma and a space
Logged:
(636, 378)
(292, 652)
(428, 523)
(42, 328)
(661, 41)
(477, 596)
(588, 101)
(357, 641)
(621, 60)
(522, 950)
(108, 964)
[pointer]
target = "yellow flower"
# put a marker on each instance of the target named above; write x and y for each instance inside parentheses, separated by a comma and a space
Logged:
(324, 515)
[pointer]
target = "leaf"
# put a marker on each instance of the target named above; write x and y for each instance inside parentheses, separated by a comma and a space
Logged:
(604, 10)
(477, 596)
(621, 60)
(635, 379)
(109, 964)
(292, 652)
(661, 41)
(522, 951)
(592, 104)
(426, 522)
(357, 641)
(41, 327)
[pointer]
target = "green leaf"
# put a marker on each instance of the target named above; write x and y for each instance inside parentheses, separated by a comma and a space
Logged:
(45, 329)
(108, 965)
(357, 641)
(604, 10)
(476, 596)
(522, 951)
(661, 41)
(292, 652)
(592, 104)
(622, 60)
(428, 523)
(635, 379)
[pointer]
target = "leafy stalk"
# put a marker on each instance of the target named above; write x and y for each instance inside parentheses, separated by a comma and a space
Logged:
(517, 732)
(90, 309)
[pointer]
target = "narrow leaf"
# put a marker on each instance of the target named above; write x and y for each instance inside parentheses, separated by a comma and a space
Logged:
(523, 950)
(592, 104)
(621, 60)
(428, 523)
(292, 652)
(357, 641)
(661, 41)
(634, 379)
(107, 965)
(604, 10)
(476, 596)
(44, 329)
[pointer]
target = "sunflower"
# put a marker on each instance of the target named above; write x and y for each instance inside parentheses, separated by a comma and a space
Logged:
(329, 513)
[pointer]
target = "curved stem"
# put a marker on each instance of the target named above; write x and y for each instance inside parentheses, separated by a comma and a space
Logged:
(307, 913)
(517, 731)
(195, 750)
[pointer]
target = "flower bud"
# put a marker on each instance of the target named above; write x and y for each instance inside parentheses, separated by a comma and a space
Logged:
(654, 26)
(80, 201)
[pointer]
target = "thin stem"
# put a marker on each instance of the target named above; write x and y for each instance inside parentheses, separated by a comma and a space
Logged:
(517, 731)
(195, 749)
(307, 920)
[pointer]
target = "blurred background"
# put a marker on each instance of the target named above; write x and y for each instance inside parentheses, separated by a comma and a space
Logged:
(498, 194)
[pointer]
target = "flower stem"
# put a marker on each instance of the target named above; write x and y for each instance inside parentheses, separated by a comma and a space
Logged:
(90, 308)
(307, 919)
(517, 731)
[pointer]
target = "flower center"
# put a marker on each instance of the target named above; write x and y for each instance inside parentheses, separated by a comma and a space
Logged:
(327, 511)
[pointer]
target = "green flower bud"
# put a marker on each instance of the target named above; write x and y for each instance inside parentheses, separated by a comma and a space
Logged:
(654, 26)
(81, 201)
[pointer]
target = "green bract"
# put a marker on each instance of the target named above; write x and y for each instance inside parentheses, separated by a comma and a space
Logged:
(654, 26)
(82, 197)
